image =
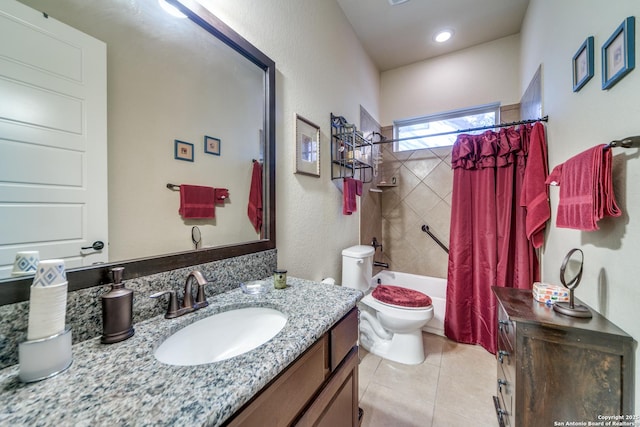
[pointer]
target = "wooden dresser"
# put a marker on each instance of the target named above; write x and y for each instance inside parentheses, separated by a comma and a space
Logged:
(553, 368)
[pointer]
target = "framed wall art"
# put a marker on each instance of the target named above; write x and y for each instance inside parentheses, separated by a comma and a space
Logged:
(211, 145)
(307, 147)
(183, 150)
(618, 53)
(583, 64)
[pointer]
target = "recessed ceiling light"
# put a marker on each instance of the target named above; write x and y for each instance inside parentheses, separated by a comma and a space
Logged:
(171, 9)
(397, 2)
(443, 36)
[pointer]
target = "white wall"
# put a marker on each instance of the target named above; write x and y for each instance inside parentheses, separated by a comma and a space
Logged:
(321, 68)
(578, 121)
(479, 75)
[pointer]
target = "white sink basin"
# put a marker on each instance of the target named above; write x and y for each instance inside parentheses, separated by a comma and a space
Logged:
(221, 336)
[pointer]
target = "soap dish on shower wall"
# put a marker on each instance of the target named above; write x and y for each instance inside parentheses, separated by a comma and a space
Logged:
(256, 287)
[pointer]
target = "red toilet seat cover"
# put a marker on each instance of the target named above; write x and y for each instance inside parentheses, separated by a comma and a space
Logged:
(403, 297)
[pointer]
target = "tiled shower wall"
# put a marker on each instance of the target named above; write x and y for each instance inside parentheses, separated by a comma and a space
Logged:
(370, 210)
(421, 195)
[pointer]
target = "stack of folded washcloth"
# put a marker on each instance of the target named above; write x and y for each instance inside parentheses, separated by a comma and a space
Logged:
(549, 294)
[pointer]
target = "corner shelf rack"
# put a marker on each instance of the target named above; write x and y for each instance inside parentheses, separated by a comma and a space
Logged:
(350, 151)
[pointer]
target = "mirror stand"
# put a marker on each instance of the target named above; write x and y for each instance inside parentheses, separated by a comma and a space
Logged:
(571, 308)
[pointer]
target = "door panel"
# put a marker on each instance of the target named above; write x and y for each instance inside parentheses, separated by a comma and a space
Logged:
(53, 130)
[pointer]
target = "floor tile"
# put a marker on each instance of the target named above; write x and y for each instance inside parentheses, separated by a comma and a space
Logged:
(452, 387)
(414, 381)
(384, 407)
(368, 365)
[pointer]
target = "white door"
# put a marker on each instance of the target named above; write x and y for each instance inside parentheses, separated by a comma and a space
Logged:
(53, 139)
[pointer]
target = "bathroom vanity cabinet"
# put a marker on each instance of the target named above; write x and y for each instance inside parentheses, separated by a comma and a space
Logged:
(319, 389)
(554, 368)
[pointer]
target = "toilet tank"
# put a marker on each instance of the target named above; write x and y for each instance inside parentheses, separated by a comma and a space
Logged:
(357, 267)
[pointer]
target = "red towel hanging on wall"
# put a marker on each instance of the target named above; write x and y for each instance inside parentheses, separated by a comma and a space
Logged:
(254, 210)
(535, 193)
(197, 201)
(350, 189)
(586, 189)
(221, 194)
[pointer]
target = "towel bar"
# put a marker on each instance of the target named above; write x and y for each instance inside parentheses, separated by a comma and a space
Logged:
(628, 142)
(173, 187)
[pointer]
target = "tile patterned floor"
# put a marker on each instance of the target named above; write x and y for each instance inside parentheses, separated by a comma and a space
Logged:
(452, 387)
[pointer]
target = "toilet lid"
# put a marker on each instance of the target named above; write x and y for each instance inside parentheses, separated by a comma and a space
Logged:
(403, 297)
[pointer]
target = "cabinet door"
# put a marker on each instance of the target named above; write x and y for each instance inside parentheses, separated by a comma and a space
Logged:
(339, 413)
(282, 401)
(337, 403)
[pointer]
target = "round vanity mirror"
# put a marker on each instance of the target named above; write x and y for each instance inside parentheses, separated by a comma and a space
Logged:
(196, 237)
(570, 275)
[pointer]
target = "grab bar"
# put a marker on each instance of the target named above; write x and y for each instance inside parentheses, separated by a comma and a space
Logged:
(425, 228)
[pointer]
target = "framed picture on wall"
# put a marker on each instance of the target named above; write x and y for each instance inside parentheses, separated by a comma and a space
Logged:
(183, 151)
(211, 145)
(583, 64)
(307, 147)
(618, 53)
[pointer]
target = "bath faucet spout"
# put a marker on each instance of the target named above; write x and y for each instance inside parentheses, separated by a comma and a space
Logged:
(380, 264)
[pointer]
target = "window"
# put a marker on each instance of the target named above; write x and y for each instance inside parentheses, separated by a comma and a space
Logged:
(409, 131)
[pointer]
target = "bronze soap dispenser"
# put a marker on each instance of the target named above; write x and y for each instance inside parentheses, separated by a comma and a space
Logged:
(117, 310)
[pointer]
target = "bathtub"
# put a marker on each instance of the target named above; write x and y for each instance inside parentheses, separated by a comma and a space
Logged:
(435, 287)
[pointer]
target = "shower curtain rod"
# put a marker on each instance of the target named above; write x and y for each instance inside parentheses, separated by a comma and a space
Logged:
(500, 125)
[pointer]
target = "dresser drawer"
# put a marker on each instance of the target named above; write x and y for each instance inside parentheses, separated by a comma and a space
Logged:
(506, 328)
(505, 354)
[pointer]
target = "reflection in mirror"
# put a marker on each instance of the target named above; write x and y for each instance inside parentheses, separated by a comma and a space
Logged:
(169, 79)
(196, 237)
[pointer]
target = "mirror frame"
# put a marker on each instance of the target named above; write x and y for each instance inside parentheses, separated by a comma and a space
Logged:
(16, 290)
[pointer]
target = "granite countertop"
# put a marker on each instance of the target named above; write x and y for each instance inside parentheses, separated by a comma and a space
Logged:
(123, 384)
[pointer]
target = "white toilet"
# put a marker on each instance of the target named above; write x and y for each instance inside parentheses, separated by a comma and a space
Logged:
(391, 317)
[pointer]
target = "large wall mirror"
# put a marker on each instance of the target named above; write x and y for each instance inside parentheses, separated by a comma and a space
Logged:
(167, 78)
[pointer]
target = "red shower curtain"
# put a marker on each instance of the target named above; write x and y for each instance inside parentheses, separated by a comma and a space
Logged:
(488, 243)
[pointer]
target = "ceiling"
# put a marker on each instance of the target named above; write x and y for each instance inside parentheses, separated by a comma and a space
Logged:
(403, 34)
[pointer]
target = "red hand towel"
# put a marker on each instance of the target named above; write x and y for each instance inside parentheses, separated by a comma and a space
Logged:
(586, 190)
(350, 189)
(196, 202)
(535, 193)
(358, 187)
(254, 209)
(221, 194)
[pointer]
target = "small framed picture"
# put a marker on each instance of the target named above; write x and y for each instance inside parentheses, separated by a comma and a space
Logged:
(618, 54)
(211, 145)
(583, 64)
(183, 151)
(307, 147)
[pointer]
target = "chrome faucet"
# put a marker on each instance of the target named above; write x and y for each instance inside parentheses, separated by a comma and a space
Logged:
(187, 306)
